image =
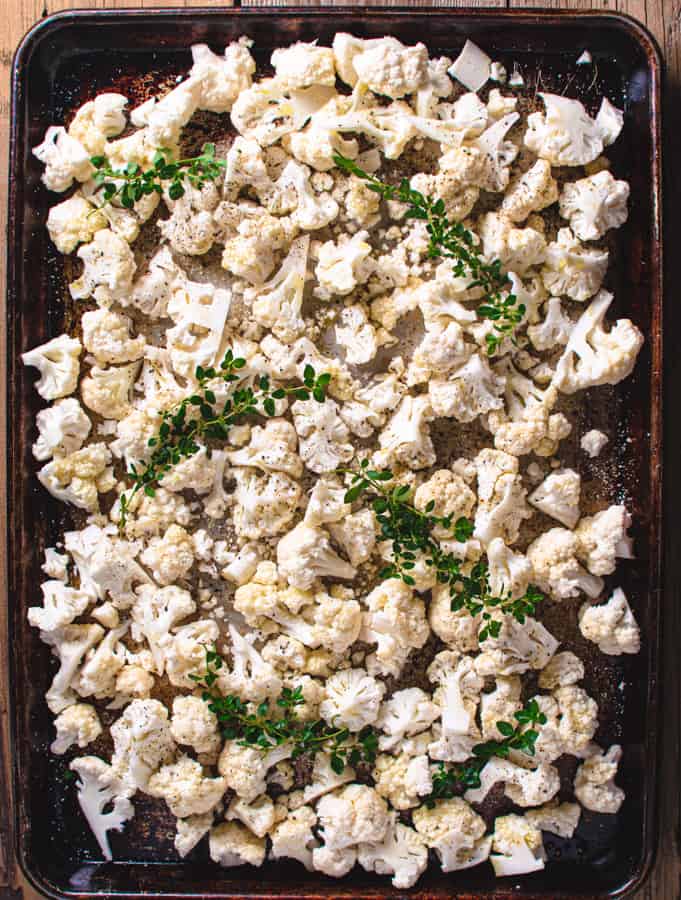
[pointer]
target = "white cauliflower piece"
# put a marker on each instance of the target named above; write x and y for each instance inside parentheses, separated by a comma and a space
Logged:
(334, 863)
(532, 191)
(106, 565)
(98, 120)
(303, 65)
(222, 78)
(78, 477)
(185, 651)
(324, 779)
(169, 558)
(459, 630)
(612, 626)
(324, 444)
(245, 768)
(519, 249)
(356, 535)
(565, 134)
(353, 699)
(442, 349)
(354, 814)
(407, 712)
(106, 335)
(108, 269)
(152, 515)
(190, 831)
(65, 160)
(56, 564)
(557, 818)
(509, 573)
(356, 335)
(277, 304)
(142, 742)
(495, 154)
(391, 69)
(395, 621)
(472, 390)
(293, 838)
(155, 612)
(57, 362)
(499, 705)
(250, 677)
(572, 269)
(232, 844)
(593, 442)
(97, 678)
(132, 683)
(61, 605)
(556, 568)
(595, 786)
(517, 847)
(594, 204)
(455, 832)
(99, 788)
(314, 210)
(264, 504)
(69, 644)
(185, 788)
(194, 725)
(554, 329)
(108, 391)
(578, 718)
(472, 67)
(501, 497)
(402, 853)
(517, 648)
(305, 554)
(327, 502)
(564, 669)
(272, 448)
(73, 222)
(603, 538)
(525, 787)
(62, 429)
(406, 438)
(558, 496)
(78, 724)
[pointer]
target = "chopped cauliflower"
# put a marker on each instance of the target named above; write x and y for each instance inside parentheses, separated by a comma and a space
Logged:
(455, 832)
(194, 725)
(533, 191)
(592, 442)
(353, 699)
(517, 846)
(57, 362)
(566, 135)
(612, 625)
(594, 204)
(402, 853)
(571, 269)
(603, 538)
(354, 814)
(185, 788)
(106, 335)
(78, 724)
(595, 786)
(232, 844)
(556, 567)
(62, 429)
(323, 435)
(303, 65)
(395, 621)
(558, 496)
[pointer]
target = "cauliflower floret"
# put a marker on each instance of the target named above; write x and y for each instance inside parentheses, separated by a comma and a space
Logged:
(142, 742)
(496, 154)
(69, 644)
(509, 573)
(471, 391)
(249, 253)
(99, 788)
(395, 620)
(185, 788)
(65, 160)
(78, 724)
(101, 665)
(459, 630)
(578, 717)
(106, 566)
(406, 438)
(305, 554)
(603, 538)
(56, 564)
(407, 712)
(341, 267)
(402, 853)
(564, 669)
(612, 626)
(303, 65)
(594, 204)
(442, 350)
(361, 203)
(352, 699)
(324, 779)
(500, 705)
(62, 429)
(391, 69)
(472, 67)
(356, 535)
(594, 356)
(108, 269)
(272, 448)
(313, 211)
(191, 228)
(293, 837)
(555, 329)
(106, 335)
(572, 269)
(57, 362)
(517, 847)
(334, 863)
(251, 677)
(354, 814)
(593, 442)
(556, 569)
(595, 786)
(73, 222)
(232, 844)
(98, 120)
(501, 507)
(132, 683)
(519, 249)
(222, 78)
(525, 787)
(190, 831)
(79, 477)
(169, 557)
(153, 515)
(324, 444)
(402, 779)
(155, 612)
(108, 391)
(245, 768)
(455, 832)
(517, 648)
(277, 304)
(558, 496)
(557, 818)
(193, 724)
(327, 502)
(264, 504)
(565, 134)
(532, 191)
(356, 335)
(185, 651)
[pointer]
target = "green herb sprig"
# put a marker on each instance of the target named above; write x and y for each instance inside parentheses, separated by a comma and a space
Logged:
(451, 240)
(268, 727)
(521, 736)
(475, 596)
(132, 183)
(200, 415)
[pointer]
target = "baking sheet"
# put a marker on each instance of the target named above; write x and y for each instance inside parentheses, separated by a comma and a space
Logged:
(69, 58)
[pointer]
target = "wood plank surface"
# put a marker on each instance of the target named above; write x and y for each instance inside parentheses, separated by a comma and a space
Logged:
(663, 19)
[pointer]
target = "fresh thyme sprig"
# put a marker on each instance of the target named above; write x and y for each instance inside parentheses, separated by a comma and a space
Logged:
(410, 531)
(269, 727)
(521, 736)
(200, 415)
(476, 597)
(132, 183)
(451, 240)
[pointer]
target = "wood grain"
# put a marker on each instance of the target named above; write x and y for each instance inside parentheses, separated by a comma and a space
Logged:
(663, 19)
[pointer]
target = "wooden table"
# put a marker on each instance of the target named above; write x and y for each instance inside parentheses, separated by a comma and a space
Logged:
(663, 19)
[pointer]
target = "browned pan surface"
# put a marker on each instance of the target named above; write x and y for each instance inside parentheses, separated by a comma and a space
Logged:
(69, 58)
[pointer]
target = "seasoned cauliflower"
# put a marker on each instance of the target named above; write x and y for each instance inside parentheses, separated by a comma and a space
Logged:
(293, 838)
(62, 429)
(571, 269)
(564, 669)
(353, 814)
(595, 786)
(353, 699)
(557, 818)
(389, 68)
(194, 725)
(169, 558)
(78, 724)
(106, 335)
(593, 442)
(595, 204)
(554, 329)
(403, 779)
(57, 362)
(108, 391)
(558, 496)
(221, 78)
(303, 65)
(406, 713)
(323, 435)
(612, 625)
(566, 135)
(305, 555)
(65, 159)
(108, 269)
(264, 504)
(603, 538)
(185, 788)
(517, 846)
(470, 391)
(532, 191)
(395, 621)
(232, 844)
(73, 222)
(455, 832)
(79, 477)
(517, 648)
(406, 438)
(402, 853)
(245, 768)
(554, 558)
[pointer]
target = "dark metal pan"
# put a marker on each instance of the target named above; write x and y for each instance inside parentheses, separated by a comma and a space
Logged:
(68, 58)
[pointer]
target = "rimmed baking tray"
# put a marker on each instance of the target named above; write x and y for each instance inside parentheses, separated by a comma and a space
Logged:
(68, 58)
